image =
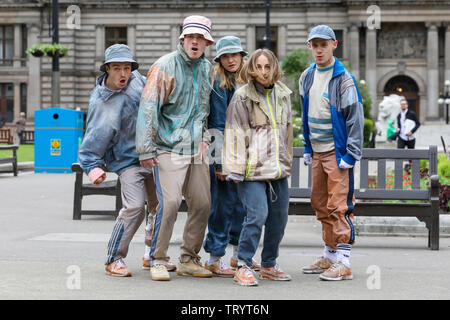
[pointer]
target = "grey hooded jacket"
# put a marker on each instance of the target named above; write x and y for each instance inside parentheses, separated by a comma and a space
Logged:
(109, 142)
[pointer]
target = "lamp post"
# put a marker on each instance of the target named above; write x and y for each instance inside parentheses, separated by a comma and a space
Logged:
(268, 4)
(55, 59)
(445, 98)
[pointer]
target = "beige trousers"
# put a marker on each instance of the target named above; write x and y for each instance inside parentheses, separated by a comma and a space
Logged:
(176, 176)
(333, 199)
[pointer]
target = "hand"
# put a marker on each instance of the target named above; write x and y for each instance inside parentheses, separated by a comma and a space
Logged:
(345, 165)
(409, 134)
(149, 163)
(307, 159)
(220, 176)
(100, 179)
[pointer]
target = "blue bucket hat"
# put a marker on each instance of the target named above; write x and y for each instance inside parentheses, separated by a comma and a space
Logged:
(119, 53)
(229, 44)
(321, 32)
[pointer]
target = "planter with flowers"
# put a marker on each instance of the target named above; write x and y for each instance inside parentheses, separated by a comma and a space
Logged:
(36, 50)
(49, 50)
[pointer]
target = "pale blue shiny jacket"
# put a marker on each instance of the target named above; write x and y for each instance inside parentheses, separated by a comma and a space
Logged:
(109, 141)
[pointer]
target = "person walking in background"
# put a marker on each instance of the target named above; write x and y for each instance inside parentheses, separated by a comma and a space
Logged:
(109, 144)
(172, 138)
(407, 123)
(257, 155)
(227, 213)
(20, 125)
(333, 123)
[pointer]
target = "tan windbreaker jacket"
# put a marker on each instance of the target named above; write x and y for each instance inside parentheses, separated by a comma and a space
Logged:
(258, 139)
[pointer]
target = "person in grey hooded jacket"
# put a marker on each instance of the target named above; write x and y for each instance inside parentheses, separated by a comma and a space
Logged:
(109, 145)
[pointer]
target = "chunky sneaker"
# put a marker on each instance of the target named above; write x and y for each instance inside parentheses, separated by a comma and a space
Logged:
(338, 271)
(117, 268)
(159, 273)
(244, 276)
(274, 273)
(146, 265)
(255, 265)
(321, 265)
(193, 268)
(220, 269)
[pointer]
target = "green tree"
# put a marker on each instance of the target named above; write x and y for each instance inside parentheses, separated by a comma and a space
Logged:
(293, 65)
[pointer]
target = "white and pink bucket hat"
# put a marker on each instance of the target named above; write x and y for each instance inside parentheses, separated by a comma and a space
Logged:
(197, 24)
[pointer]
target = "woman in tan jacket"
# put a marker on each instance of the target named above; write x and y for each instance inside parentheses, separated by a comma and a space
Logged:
(257, 155)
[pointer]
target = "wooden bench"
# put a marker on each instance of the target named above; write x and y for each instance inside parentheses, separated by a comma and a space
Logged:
(371, 201)
(5, 136)
(12, 160)
(110, 188)
(27, 137)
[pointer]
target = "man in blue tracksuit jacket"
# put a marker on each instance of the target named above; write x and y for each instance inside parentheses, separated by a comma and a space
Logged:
(333, 123)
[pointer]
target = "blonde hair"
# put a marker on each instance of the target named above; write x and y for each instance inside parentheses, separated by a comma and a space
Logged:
(250, 72)
(227, 79)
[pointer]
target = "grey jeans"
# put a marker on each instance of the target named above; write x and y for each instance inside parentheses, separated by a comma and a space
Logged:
(138, 185)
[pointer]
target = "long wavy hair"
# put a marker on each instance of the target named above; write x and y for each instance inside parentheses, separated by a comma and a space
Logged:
(250, 72)
(227, 79)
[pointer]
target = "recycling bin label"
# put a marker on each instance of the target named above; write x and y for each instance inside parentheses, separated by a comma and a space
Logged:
(55, 147)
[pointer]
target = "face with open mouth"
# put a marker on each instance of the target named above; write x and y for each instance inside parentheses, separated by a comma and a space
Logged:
(118, 75)
(194, 44)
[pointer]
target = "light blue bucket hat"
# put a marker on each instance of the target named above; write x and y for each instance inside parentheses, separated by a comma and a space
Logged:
(322, 32)
(119, 53)
(229, 44)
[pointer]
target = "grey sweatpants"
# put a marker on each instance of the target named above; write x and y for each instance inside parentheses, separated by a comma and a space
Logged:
(138, 185)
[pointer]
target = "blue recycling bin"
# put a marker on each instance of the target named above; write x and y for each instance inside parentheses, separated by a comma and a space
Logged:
(58, 134)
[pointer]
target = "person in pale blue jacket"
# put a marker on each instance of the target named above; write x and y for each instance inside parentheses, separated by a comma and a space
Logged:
(109, 145)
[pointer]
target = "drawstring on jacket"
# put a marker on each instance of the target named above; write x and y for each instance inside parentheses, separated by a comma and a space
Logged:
(272, 192)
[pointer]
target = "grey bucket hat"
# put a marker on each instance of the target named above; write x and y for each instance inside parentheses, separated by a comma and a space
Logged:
(119, 53)
(229, 44)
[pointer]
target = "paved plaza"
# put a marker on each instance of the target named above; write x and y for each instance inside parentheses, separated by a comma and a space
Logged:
(44, 254)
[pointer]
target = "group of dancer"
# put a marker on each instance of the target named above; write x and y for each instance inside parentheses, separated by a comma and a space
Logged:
(222, 138)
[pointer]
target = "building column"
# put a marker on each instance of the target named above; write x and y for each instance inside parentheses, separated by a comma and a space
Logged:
(371, 68)
(447, 52)
(99, 46)
(353, 45)
(17, 46)
(282, 42)
(131, 39)
(174, 36)
(432, 73)
(34, 78)
(251, 38)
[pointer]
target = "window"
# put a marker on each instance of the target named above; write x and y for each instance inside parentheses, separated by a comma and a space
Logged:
(261, 38)
(6, 45)
(339, 52)
(7, 101)
(24, 44)
(115, 35)
(23, 97)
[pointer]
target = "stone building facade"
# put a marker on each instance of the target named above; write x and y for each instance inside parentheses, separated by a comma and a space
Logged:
(395, 46)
